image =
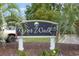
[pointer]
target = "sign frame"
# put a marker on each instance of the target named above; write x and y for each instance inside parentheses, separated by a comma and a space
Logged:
(42, 21)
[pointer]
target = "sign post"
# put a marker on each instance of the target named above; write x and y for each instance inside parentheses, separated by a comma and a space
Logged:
(52, 42)
(20, 43)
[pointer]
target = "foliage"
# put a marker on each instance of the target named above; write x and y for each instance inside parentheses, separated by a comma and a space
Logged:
(13, 14)
(70, 15)
(54, 52)
(21, 53)
(10, 8)
(64, 14)
(42, 12)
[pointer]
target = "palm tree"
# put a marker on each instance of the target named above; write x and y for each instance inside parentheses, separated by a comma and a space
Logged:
(4, 7)
(70, 15)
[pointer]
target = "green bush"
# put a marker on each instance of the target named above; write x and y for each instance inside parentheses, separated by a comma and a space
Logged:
(21, 53)
(45, 53)
(54, 52)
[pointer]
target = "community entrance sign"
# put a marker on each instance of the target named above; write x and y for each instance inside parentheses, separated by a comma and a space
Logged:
(40, 28)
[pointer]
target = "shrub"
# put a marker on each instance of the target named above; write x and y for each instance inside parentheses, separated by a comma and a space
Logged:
(54, 52)
(45, 53)
(21, 53)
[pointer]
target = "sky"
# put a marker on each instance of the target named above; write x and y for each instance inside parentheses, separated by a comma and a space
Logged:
(22, 7)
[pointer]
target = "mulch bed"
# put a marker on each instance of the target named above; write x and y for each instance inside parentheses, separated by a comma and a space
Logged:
(35, 48)
(68, 49)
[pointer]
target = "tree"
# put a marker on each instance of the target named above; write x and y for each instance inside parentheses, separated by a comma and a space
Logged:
(42, 11)
(7, 8)
(70, 15)
(4, 8)
(64, 14)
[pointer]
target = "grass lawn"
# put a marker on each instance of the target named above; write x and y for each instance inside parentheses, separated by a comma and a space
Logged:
(36, 40)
